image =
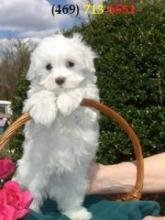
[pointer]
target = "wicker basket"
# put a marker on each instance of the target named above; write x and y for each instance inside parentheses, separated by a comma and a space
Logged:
(136, 192)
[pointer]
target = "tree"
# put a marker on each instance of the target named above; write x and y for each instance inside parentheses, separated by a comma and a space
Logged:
(14, 61)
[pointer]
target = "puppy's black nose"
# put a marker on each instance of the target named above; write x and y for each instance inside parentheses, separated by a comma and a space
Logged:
(60, 80)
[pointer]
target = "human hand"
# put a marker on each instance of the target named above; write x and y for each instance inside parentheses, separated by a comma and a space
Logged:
(100, 180)
(153, 218)
(109, 178)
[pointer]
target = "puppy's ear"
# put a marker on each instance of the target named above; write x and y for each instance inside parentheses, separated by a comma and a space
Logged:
(31, 71)
(34, 45)
(89, 57)
(88, 54)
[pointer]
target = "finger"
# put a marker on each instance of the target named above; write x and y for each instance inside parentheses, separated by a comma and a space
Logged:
(153, 218)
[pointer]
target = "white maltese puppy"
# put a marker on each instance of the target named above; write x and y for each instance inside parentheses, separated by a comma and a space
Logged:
(62, 137)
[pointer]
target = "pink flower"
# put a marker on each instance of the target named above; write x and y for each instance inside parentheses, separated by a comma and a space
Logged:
(12, 196)
(7, 167)
(7, 212)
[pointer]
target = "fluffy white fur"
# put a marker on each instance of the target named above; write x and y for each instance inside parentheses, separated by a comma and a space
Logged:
(62, 137)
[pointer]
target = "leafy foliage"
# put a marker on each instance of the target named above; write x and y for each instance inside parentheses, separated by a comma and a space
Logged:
(17, 105)
(131, 79)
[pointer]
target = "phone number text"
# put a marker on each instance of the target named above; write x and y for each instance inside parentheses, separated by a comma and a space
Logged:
(112, 9)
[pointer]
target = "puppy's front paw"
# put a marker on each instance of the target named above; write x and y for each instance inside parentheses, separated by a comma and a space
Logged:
(44, 114)
(42, 107)
(67, 104)
(81, 214)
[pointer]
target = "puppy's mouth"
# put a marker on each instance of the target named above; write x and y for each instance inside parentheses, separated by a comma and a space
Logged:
(61, 83)
(64, 88)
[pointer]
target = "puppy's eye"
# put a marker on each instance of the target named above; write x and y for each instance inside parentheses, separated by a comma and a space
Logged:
(69, 64)
(49, 66)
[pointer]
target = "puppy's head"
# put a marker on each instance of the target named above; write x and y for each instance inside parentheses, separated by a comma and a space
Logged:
(61, 63)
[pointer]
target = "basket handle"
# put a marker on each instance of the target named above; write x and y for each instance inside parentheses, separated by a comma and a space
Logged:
(137, 190)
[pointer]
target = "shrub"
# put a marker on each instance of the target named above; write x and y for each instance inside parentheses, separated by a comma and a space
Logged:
(15, 148)
(131, 79)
